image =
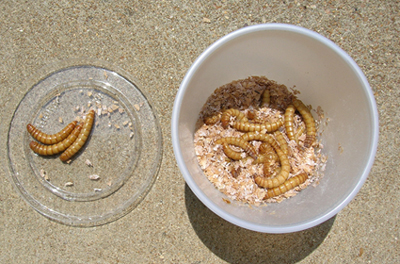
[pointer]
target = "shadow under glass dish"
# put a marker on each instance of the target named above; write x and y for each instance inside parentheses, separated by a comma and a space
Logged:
(120, 150)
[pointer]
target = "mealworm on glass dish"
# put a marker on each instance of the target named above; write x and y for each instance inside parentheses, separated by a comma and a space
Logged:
(81, 140)
(51, 139)
(287, 185)
(309, 120)
(251, 127)
(239, 142)
(46, 150)
(289, 124)
(226, 116)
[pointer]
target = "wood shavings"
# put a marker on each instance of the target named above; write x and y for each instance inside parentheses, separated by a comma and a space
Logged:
(60, 120)
(68, 184)
(88, 163)
(137, 107)
(236, 178)
(94, 177)
(114, 107)
(44, 175)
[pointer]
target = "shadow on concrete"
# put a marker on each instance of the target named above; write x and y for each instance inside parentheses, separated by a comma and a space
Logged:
(238, 245)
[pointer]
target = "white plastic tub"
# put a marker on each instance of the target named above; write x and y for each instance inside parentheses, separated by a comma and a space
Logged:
(326, 77)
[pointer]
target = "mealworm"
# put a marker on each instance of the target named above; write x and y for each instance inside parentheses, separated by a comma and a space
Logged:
(251, 127)
(80, 141)
(211, 120)
(230, 153)
(265, 148)
(287, 185)
(289, 125)
(261, 158)
(246, 146)
(285, 168)
(265, 98)
(299, 132)
(308, 119)
(267, 151)
(282, 142)
(46, 150)
(226, 116)
(51, 139)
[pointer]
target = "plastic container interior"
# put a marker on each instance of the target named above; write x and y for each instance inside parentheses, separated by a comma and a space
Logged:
(326, 76)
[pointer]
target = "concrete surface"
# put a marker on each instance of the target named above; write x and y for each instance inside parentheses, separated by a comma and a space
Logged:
(156, 41)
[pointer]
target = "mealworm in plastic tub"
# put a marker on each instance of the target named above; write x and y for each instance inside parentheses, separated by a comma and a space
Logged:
(309, 120)
(264, 126)
(287, 185)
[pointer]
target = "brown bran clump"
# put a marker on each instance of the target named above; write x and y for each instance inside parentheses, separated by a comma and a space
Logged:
(235, 178)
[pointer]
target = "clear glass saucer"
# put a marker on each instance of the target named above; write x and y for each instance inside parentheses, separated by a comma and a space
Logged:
(118, 164)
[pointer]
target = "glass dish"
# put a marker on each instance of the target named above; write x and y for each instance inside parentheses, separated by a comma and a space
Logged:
(118, 164)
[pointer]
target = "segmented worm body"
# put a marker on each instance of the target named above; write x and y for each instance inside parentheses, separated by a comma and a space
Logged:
(251, 127)
(239, 142)
(285, 166)
(262, 158)
(211, 120)
(289, 125)
(267, 152)
(46, 150)
(308, 119)
(282, 142)
(265, 98)
(299, 132)
(230, 153)
(51, 139)
(226, 116)
(80, 141)
(287, 185)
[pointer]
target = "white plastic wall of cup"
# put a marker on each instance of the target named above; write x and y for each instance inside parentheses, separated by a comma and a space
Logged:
(327, 77)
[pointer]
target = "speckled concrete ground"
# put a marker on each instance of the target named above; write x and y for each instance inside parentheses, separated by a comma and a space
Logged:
(156, 41)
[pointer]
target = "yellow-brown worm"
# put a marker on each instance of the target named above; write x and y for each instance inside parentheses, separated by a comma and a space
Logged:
(226, 116)
(80, 141)
(309, 120)
(285, 166)
(46, 150)
(282, 142)
(299, 132)
(287, 185)
(239, 142)
(251, 127)
(289, 124)
(51, 139)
